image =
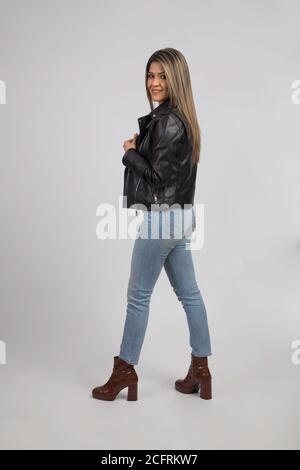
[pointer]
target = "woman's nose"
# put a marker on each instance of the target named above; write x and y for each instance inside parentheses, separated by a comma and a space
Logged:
(155, 82)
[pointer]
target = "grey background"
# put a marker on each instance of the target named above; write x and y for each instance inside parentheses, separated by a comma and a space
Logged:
(74, 73)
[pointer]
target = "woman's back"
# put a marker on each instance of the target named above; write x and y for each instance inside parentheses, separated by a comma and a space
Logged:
(160, 170)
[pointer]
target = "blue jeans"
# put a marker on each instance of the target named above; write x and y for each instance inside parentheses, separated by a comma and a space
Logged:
(163, 243)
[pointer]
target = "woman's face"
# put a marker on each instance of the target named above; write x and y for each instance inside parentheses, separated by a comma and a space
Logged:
(157, 82)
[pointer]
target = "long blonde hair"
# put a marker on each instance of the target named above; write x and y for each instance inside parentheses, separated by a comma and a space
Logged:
(180, 92)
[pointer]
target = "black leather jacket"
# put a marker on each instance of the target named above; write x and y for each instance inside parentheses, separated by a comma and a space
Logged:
(159, 170)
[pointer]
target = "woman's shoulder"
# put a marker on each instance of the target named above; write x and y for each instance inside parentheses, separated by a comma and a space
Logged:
(171, 120)
(167, 126)
(179, 118)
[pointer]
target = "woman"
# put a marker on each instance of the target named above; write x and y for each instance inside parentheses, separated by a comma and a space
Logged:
(159, 178)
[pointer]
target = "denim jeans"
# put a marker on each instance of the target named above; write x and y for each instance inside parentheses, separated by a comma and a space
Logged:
(163, 241)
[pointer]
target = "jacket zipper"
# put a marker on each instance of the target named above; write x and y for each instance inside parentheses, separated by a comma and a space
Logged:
(153, 192)
(154, 195)
(137, 188)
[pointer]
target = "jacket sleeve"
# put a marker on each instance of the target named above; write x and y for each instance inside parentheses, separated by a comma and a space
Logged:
(165, 137)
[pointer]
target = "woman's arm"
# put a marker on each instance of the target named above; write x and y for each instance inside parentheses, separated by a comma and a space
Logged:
(166, 135)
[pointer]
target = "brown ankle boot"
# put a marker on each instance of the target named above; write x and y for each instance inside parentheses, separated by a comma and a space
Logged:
(123, 375)
(198, 376)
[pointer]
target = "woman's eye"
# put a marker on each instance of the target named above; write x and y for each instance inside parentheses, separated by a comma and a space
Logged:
(150, 76)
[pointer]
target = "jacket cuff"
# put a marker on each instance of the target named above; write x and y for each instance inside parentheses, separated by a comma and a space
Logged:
(134, 160)
(125, 157)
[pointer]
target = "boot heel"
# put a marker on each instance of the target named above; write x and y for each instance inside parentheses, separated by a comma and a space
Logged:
(205, 389)
(132, 392)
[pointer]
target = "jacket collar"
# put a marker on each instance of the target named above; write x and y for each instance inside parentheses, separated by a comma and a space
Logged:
(162, 108)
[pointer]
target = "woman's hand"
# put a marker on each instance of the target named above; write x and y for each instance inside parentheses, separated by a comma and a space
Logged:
(130, 143)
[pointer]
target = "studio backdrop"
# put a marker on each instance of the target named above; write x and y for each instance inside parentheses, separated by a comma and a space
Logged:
(72, 86)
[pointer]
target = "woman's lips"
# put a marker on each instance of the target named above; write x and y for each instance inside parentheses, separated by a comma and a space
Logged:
(156, 91)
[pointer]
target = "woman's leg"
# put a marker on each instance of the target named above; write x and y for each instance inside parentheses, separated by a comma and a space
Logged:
(148, 258)
(180, 271)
